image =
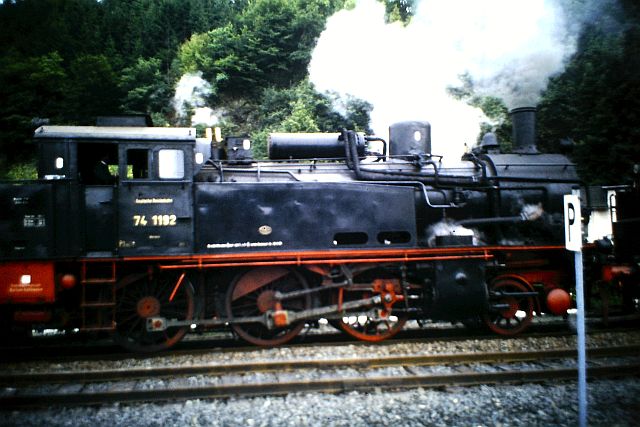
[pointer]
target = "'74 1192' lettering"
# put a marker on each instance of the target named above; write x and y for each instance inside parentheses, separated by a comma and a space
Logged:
(156, 220)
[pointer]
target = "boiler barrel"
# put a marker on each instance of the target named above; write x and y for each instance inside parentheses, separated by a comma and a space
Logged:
(309, 146)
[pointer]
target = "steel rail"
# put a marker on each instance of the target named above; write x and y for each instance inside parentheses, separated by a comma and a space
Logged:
(333, 385)
(202, 345)
(297, 364)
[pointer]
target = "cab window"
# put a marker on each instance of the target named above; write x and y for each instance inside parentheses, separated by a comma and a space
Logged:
(97, 163)
(137, 163)
(170, 164)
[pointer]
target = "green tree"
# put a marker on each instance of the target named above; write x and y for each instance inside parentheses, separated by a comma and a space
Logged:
(300, 120)
(84, 58)
(93, 89)
(282, 35)
(32, 88)
(37, 27)
(268, 45)
(146, 90)
(596, 101)
(223, 60)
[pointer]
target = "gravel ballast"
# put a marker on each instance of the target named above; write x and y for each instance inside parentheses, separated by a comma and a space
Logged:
(294, 352)
(610, 403)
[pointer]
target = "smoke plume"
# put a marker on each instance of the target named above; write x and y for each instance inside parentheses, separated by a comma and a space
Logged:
(509, 48)
(191, 98)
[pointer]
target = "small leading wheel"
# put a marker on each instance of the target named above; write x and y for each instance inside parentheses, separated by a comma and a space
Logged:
(374, 323)
(138, 297)
(252, 293)
(517, 316)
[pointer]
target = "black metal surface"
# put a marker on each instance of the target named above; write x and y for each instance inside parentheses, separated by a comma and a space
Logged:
(524, 130)
(27, 220)
(238, 149)
(155, 218)
(407, 138)
(457, 291)
(125, 120)
(517, 184)
(49, 166)
(626, 228)
(281, 217)
(100, 223)
(68, 219)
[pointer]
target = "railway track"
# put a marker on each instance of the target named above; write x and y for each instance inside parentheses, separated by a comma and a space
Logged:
(317, 375)
(62, 352)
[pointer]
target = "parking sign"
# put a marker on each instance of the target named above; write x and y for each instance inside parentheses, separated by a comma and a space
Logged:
(572, 223)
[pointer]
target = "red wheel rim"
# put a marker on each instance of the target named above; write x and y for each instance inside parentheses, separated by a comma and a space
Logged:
(142, 296)
(252, 294)
(362, 326)
(518, 316)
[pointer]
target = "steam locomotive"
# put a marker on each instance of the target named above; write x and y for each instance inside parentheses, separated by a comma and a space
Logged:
(147, 233)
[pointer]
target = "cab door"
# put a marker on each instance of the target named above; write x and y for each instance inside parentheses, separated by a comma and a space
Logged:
(100, 214)
(100, 219)
(155, 201)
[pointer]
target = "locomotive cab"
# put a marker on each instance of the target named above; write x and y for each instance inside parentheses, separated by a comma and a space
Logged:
(124, 187)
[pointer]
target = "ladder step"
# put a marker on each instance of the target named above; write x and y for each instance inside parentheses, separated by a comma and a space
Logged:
(98, 311)
(97, 304)
(96, 328)
(98, 281)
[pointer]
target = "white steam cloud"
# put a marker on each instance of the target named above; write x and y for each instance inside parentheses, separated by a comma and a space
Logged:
(524, 45)
(510, 49)
(191, 92)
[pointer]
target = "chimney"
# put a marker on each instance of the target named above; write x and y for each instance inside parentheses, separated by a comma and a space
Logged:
(523, 121)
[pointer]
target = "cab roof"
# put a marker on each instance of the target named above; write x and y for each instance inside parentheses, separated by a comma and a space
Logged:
(116, 133)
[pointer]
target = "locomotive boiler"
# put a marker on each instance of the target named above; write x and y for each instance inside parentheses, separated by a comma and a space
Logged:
(189, 234)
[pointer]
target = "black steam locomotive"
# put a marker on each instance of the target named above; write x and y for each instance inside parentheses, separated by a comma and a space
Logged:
(148, 232)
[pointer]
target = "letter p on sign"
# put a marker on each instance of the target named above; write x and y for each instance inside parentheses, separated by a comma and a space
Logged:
(572, 223)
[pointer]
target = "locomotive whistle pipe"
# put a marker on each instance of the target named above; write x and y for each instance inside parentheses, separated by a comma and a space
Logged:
(529, 213)
(384, 143)
(497, 220)
(436, 179)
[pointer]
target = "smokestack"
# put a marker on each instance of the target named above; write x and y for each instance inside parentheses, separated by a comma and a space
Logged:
(524, 130)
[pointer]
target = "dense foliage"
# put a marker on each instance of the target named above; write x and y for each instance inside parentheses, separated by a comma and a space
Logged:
(67, 61)
(594, 104)
(596, 101)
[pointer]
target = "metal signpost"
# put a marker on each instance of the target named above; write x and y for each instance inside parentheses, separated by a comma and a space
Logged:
(573, 242)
